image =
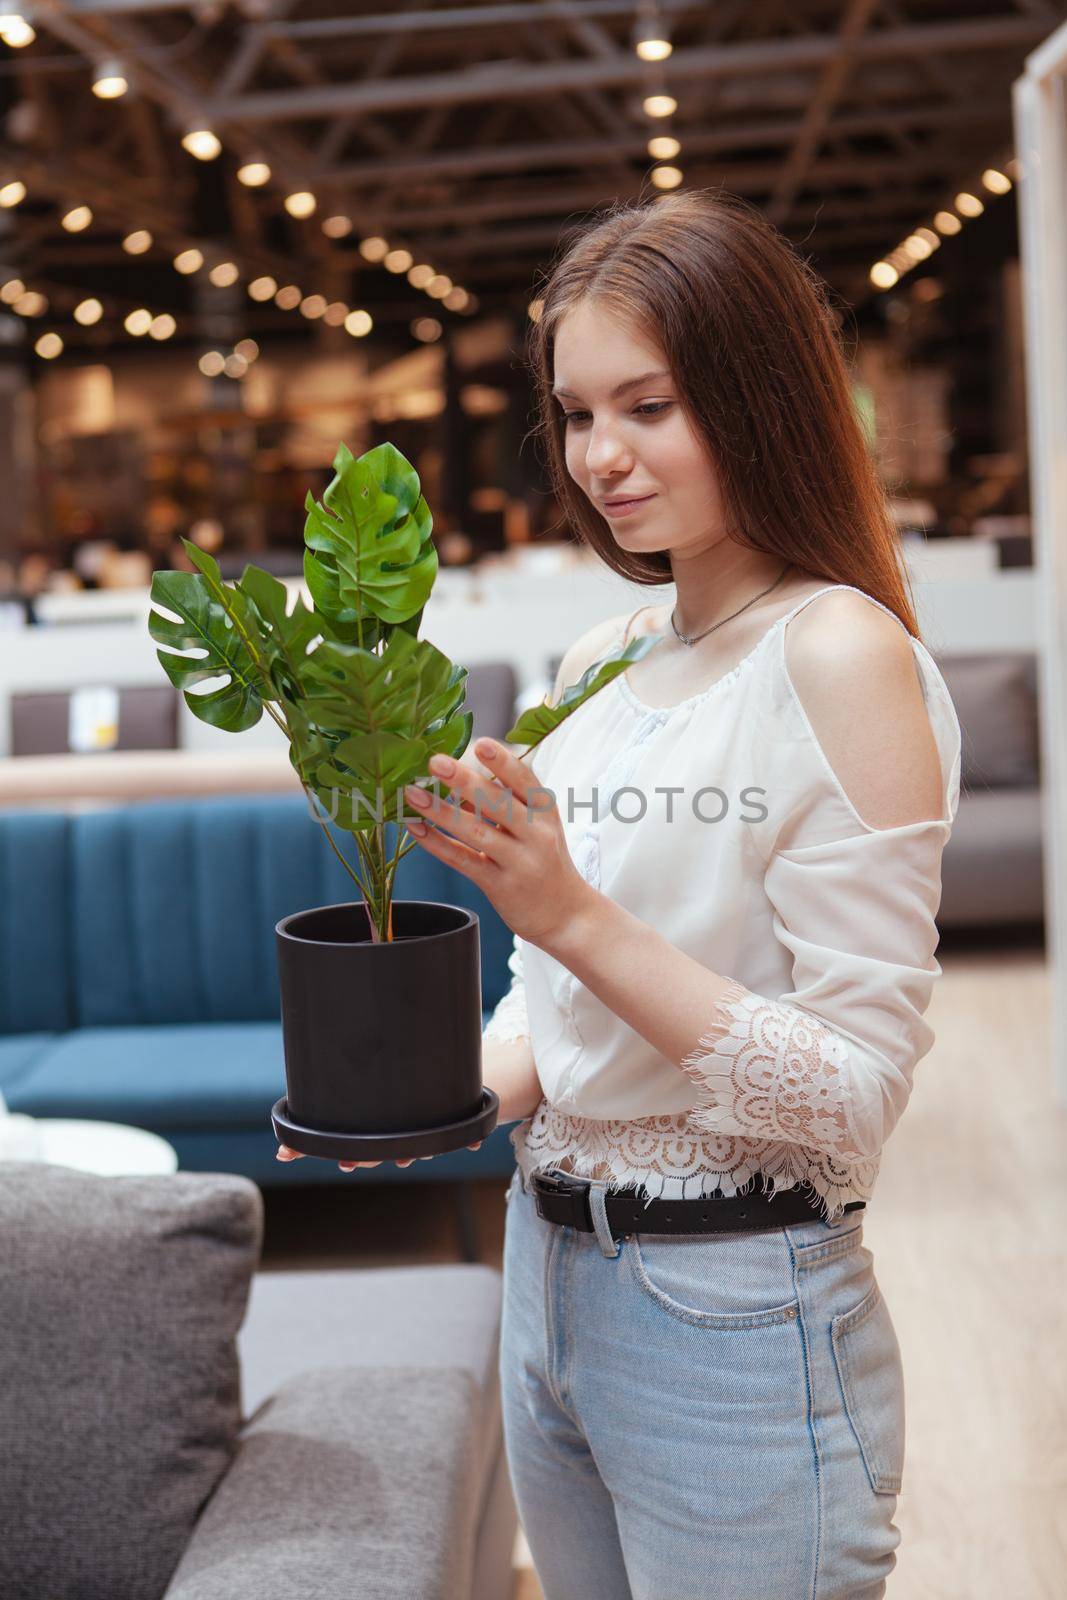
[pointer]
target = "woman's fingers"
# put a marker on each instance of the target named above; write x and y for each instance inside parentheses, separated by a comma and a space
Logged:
(284, 1153)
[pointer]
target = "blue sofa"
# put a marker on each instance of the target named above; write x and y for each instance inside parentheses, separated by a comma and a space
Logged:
(138, 978)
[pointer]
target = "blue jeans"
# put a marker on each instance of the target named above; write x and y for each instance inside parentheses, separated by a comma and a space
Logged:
(696, 1415)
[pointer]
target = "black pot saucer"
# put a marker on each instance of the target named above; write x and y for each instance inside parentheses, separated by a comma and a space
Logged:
(433, 1141)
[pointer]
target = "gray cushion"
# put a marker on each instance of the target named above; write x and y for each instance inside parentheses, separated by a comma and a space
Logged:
(350, 1484)
(118, 1371)
(995, 695)
(435, 1316)
(991, 871)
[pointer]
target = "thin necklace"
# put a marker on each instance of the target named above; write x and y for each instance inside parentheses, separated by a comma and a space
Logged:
(693, 638)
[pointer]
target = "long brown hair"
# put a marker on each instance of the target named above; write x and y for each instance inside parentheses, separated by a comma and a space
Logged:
(755, 350)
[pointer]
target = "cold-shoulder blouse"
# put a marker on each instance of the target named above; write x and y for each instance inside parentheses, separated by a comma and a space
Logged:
(759, 866)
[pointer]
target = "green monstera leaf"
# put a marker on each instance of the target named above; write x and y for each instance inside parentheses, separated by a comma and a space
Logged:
(404, 706)
(369, 558)
(206, 623)
(537, 722)
(407, 688)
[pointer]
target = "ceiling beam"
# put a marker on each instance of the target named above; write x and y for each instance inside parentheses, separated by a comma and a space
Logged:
(820, 109)
(559, 153)
(485, 81)
(751, 179)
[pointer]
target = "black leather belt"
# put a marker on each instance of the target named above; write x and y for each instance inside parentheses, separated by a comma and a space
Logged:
(563, 1198)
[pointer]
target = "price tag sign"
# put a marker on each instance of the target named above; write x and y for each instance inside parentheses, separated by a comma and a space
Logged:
(93, 719)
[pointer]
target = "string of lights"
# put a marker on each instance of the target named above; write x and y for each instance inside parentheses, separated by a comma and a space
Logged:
(223, 272)
(923, 241)
(110, 80)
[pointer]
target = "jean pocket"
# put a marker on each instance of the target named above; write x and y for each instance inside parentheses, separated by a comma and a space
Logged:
(867, 1356)
(725, 1281)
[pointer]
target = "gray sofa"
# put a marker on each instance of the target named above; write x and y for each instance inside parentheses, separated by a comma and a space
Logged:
(992, 867)
(181, 1426)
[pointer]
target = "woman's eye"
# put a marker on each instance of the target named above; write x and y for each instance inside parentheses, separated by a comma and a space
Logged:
(649, 408)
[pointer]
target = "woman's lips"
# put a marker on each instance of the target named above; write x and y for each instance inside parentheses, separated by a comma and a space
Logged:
(623, 508)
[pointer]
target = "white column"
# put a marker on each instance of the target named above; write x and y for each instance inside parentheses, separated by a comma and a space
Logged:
(1040, 106)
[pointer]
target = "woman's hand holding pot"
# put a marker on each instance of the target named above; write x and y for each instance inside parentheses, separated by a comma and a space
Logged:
(506, 835)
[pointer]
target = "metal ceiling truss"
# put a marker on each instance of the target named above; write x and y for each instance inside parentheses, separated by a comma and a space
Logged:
(473, 134)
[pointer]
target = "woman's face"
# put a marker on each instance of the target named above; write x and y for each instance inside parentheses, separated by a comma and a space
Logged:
(627, 437)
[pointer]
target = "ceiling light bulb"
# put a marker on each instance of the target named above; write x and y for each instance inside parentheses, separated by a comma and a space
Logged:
(419, 276)
(288, 298)
(223, 273)
(203, 143)
(337, 227)
(138, 322)
(16, 31)
(996, 182)
(426, 329)
(969, 205)
(49, 345)
(77, 219)
(664, 147)
(300, 204)
(136, 243)
(456, 299)
(397, 260)
(11, 290)
(534, 310)
(11, 193)
(358, 323)
(666, 177)
(248, 349)
(162, 327)
(253, 174)
(335, 313)
(947, 222)
(31, 304)
(188, 261)
(659, 105)
(264, 288)
(651, 36)
(373, 248)
(883, 276)
(86, 312)
(235, 366)
(109, 79)
(212, 363)
(439, 286)
(313, 305)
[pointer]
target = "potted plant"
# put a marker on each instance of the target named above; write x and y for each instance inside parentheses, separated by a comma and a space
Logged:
(364, 703)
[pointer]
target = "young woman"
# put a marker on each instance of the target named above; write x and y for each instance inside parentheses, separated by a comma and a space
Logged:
(722, 874)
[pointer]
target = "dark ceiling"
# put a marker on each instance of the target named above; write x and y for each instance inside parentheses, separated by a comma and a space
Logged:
(472, 134)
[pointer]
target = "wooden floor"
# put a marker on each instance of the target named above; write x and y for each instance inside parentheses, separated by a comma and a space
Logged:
(968, 1228)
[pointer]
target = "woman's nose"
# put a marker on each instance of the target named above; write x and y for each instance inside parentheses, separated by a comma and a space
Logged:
(604, 453)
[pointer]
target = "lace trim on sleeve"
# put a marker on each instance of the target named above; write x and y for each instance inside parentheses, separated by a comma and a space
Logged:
(772, 1071)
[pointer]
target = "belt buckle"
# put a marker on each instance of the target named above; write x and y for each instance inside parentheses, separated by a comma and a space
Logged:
(552, 1180)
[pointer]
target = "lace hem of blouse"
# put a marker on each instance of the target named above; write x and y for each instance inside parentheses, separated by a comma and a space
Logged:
(670, 1158)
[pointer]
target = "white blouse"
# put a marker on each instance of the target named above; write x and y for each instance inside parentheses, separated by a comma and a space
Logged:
(760, 867)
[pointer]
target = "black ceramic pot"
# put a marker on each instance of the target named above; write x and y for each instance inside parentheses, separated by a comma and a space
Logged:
(383, 1041)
